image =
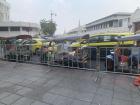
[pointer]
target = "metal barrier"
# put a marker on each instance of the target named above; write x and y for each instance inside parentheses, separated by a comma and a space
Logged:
(120, 59)
(105, 59)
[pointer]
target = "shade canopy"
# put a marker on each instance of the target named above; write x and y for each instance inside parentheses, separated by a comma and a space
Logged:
(130, 38)
(17, 37)
(71, 37)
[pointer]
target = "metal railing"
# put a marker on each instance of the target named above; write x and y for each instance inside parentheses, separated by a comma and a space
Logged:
(103, 59)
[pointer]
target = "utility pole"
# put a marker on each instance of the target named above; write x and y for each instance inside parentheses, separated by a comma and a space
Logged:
(52, 14)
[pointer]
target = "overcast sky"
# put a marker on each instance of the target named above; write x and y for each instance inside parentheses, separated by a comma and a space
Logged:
(69, 12)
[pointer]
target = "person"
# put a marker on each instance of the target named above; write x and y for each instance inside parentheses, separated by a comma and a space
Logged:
(117, 56)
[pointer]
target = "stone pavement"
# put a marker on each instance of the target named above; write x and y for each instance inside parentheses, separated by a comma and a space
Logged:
(27, 84)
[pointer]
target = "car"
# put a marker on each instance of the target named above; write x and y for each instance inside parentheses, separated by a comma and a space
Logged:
(35, 43)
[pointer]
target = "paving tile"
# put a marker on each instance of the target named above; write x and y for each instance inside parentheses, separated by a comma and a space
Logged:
(5, 84)
(61, 100)
(102, 99)
(24, 91)
(4, 94)
(136, 96)
(107, 86)
(94, 104)
(123, 96)
(121, 102)
(2, 104)
(84, 96)
(63, 92)
(39, 103)
(16, 87)
(26, 82)
(77, 102)
(56, 99)
(23, 101)
(136, 103)
(106, 92)
(49, 98)
(10, 99)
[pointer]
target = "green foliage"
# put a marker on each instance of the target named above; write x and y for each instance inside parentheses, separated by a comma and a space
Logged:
(48, 27)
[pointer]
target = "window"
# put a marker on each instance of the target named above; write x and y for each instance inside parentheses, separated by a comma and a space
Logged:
(34, 41)
(120, 22)
(3, 28)
(27, 29)
(14, 28)
(110, 23)
(94, 39)
(107, 38)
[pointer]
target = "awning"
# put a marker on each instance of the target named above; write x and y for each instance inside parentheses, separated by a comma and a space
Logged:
(69, 38)
(17, 37)
(129, 38)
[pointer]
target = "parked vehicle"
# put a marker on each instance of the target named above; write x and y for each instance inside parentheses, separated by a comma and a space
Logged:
(35, 44)
(14, 50)
(48, 50)
(122, 58)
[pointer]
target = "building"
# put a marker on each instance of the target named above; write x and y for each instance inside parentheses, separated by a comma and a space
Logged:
(4, 10)
(78, 30)
(14, 28)
(115, 23)
(135, 21)
(11, 28)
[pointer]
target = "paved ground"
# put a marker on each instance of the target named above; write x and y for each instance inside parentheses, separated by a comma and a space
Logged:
(26, 84)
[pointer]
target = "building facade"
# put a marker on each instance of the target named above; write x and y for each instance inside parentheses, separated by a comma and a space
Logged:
(13, 28)
(4, 10)
(115, 23)
(135, 21)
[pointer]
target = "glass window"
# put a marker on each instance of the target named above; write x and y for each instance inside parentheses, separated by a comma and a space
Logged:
(110, 23)
(27, 42)
(14, 28)
(3, 28)
(115, 38)
(27, 29)
(120, 22)
(101, 38)
(34, 41)
(94, 39)
(107, 38)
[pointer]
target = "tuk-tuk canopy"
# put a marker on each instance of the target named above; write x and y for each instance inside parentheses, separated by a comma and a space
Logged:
(130, 38)
(68, 38)
(17, 37)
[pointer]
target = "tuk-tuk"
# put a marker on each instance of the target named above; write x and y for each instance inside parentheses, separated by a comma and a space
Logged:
(14, 50)
(126, 58)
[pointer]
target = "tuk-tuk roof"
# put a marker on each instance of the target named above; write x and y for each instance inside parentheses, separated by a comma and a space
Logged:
(130, 38)
(69, 38)
(17, 37)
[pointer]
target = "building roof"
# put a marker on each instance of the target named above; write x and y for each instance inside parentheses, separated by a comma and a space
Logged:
(18, 24)
(77, 29)
(126, 14)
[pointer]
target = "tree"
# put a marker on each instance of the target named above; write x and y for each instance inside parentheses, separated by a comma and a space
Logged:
(48, 27)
